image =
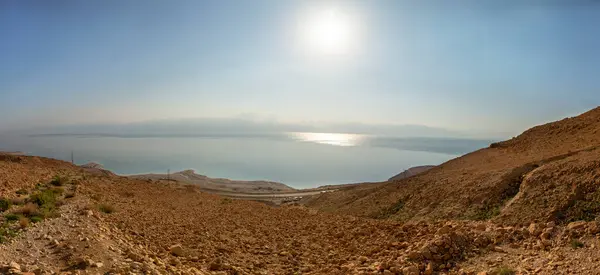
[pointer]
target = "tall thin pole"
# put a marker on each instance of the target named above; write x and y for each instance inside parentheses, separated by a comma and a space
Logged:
(72, 160)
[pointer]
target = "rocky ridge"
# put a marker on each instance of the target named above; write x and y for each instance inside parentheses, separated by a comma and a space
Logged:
(548, 173)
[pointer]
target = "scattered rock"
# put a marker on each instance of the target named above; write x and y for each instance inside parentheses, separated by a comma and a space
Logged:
(176, 250)
(429, 269)
(576, 225)
(411, 270)
(535, 229)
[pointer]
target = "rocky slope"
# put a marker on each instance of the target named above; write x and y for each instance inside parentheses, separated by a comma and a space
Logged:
(548, 173)
(106, 224)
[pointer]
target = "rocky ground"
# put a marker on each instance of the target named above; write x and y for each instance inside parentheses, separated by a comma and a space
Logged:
(115, 225)
(548, 173)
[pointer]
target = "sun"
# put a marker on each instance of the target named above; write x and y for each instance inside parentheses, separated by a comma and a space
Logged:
(329, 31)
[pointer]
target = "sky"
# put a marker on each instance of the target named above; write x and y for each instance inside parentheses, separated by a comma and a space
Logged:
(489, 66)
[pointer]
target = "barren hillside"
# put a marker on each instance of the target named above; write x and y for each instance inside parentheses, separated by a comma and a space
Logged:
(550, 172)
(60, 218)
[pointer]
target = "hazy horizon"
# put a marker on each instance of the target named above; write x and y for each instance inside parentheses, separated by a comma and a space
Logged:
(485, 67)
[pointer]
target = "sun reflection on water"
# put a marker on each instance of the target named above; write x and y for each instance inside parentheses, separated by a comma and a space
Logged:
(337, 139)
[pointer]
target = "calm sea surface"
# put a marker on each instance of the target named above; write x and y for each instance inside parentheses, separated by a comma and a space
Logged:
(301, 160)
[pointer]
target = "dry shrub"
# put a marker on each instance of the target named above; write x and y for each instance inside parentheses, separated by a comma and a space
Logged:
(30, 209)
(106, 208)
(18, 201)
(23, 222)
(57, 190)
(59, 203)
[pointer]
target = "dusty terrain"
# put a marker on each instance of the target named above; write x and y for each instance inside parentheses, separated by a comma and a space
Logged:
(525, 206)
(548, 173)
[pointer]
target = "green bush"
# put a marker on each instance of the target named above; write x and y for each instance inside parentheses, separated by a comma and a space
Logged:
(5, 233)
(47, 200)
(59, 181)
(12, 217)
(44, 198)
(35, 219)
(4, 205)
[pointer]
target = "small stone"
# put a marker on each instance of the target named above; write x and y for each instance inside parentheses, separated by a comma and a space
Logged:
(499, 249)
(176, 250)
(547, 243)
(97, 264)
(534, 229)
(429, 269)
(411, 270)
(414, 255)
(545, 235)
(14, 266)
(445, 229)
(480, 227)
(576, 225)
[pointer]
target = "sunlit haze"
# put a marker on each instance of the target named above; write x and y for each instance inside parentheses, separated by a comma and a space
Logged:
(491, 68)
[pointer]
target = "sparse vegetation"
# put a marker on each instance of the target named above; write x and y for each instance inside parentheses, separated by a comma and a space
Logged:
(485, 213)
(59, 180)
(23, 222)
(226, 200)
(47, 201)
(504, 271)
(386, 213)
(18, 201)
(106, 208)
(11, 217)
(6, 232)
(21, 192)
(29, 209)
(575, 243)
(4, 204)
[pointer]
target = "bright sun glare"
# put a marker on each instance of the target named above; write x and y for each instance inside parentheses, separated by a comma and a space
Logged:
(329, 31)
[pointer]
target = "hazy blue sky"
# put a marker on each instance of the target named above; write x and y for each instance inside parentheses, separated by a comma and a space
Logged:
(488, 65)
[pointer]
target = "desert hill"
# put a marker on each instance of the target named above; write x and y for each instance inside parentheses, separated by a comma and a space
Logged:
(58, 218)
(548, 173)
(220, 185)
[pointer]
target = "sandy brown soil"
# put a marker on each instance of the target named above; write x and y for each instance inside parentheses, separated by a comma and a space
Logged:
(223, 236)
(548, 173)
